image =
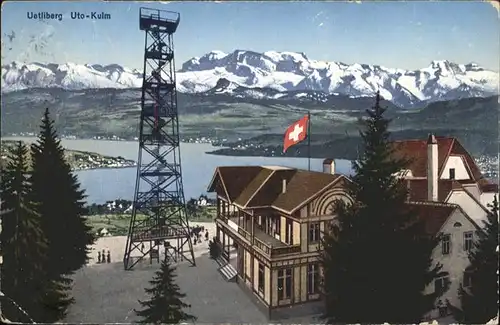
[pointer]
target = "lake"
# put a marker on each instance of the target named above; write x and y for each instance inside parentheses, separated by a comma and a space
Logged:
(198, 167)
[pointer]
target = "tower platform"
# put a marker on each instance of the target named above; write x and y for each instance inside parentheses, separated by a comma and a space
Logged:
(163, 20)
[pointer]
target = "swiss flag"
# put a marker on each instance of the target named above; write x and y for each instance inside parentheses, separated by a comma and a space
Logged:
(296, 133)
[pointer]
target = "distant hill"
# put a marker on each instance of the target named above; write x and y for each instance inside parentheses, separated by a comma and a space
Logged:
(108, 112)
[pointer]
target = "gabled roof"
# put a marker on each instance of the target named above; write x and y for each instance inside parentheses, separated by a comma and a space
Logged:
(266, 195)
(262, 186)
(436, 214)
(240, 176)
(253, 187)
(418, 190)
(433, 214)
(302, 187)
(416, 151)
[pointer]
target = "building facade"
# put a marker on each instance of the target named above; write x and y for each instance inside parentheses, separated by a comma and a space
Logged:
(456, 229)
(441, 170)
(269, 223)
(442, 173)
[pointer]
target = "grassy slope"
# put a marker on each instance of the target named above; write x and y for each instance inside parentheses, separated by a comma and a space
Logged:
(117, 224)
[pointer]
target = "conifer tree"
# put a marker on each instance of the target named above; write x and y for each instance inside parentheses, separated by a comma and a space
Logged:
(165, 305)
(60, 203)
(23, 242)
(55, 300)
(479, 301)
(377, 258)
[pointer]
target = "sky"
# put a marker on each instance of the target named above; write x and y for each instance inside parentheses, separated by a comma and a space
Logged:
(396, 34)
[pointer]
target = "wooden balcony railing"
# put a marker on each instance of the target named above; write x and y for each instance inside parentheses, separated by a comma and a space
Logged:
(267, 248)
(245, 234)
(228, 215)
(285, 250)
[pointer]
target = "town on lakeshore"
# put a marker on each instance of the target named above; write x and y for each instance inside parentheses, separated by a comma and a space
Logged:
(246, 186)
(77, 160)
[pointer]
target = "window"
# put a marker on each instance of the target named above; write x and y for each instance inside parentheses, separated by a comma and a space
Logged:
(452, 173)
(468, 240)
(467, 280)
(445, 244)
(314, 232)
(289, 232)
(272, 227)
(284, 284)
(441, 283)
(260, 223)
(312, 279)
(442, 308)
(261, 278)
(269, 229)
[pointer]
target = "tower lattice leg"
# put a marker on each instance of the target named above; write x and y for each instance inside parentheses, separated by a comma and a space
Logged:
(159, 223)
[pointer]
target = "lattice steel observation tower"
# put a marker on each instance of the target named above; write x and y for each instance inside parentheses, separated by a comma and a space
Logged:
(159, 220)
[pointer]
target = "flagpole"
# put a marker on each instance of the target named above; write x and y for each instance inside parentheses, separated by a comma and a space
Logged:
(308, 141)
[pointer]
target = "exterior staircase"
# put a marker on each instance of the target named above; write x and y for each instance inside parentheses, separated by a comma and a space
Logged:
(227, 270)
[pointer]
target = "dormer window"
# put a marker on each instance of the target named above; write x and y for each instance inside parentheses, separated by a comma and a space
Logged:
(452, 173)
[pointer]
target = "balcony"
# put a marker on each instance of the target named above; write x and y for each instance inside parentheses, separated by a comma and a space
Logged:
(154, 19)
(263, 241)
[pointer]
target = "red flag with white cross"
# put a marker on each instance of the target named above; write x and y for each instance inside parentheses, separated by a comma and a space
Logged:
(296, 133)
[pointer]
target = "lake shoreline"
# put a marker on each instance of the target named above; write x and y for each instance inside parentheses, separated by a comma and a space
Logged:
(216, 151)
(228, 152)
(198, 166)
(103, 167)
(78, 160)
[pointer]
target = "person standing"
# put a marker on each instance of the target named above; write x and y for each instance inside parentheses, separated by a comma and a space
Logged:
(98, 257)
(108, 257)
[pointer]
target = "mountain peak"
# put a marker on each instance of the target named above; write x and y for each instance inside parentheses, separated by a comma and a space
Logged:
(473, 66)
(214, 55)
(268, 73)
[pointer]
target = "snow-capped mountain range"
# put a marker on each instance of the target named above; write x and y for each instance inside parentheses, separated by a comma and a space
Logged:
(272, 74)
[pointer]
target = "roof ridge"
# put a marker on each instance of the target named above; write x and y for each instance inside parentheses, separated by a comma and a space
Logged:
(446, 157)
(433, 203)
(273, 171)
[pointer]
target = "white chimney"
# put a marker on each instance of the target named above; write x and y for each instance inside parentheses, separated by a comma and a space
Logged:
(284, 187)
(432, 168)
(329, 166)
